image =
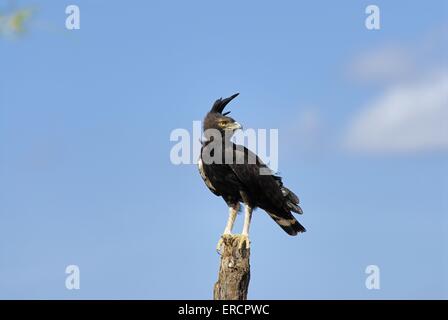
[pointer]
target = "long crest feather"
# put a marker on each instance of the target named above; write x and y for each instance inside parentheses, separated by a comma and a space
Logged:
(221, 103)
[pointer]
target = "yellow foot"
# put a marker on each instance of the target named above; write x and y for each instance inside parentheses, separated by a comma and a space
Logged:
(243, 241)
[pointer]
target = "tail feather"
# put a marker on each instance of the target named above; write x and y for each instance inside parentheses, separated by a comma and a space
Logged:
(291, 196)
(288, 223)
(291, 199)
(294, 207)
(283, 216)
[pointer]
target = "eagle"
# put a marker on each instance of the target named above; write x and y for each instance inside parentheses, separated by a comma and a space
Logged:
(236, 174)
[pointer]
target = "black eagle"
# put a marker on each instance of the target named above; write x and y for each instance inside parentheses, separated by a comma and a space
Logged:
(238, 175)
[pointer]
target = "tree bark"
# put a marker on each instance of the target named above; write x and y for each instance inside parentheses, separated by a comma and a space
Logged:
(234, 271)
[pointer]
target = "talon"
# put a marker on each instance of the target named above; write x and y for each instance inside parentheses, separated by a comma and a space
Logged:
(243, 239)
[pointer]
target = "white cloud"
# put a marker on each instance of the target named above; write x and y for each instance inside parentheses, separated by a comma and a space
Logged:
(406, 118)
(400, 61)
(410, 113)
(387, 63)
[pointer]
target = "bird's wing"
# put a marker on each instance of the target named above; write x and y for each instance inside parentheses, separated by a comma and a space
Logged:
(257, 178)
(266, 190)
(204, 176)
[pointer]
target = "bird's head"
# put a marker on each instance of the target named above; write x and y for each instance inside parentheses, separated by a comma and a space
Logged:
(217, 120)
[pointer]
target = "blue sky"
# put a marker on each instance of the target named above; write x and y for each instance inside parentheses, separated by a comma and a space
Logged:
(85, 173)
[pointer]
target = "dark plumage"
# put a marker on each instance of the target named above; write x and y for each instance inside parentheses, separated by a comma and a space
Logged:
(240, 180)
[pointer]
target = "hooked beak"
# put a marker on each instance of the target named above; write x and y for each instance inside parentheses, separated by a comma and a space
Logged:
(234, 126)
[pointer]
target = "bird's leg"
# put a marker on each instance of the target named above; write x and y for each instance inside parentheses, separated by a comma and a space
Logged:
(244, 237)
(233, 211)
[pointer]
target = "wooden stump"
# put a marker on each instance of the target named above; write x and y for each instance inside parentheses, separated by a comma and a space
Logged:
(234, 271)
